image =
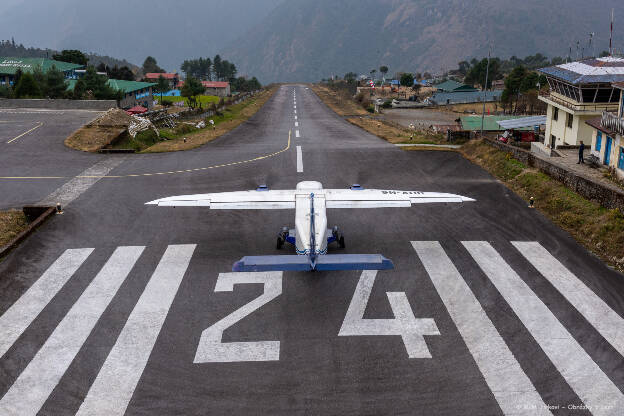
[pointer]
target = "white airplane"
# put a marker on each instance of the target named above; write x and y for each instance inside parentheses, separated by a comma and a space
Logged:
(310, 235)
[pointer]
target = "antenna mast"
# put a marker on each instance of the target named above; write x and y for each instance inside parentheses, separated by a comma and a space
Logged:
(611, 37)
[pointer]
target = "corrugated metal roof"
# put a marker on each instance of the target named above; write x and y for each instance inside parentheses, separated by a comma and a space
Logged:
(10, 65)
(156, 75)
(128, 86)
(516, 123)
(464, 97)
(215, 84)
(490, 123)
(600, 70)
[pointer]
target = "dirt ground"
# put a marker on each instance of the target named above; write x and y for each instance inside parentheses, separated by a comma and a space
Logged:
(12, 223)
(395, 134)
(100, 132)
(341, 104)
(420, 117)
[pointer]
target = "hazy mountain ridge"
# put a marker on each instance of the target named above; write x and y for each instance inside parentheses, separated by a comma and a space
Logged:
(307, 41)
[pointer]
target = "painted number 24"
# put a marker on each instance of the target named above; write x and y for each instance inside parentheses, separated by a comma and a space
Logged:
(211, 349)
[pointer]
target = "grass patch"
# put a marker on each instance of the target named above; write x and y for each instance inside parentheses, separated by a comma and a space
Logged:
(231, 118)
(12, 223)
(599, 229)
(395, 134)
(203, 99)
(340, 102)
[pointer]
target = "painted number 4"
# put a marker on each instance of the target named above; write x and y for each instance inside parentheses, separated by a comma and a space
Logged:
(405, 324)
(212, 349)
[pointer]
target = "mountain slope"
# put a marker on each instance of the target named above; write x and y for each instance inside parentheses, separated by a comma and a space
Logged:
(171, 31)
(304, 40)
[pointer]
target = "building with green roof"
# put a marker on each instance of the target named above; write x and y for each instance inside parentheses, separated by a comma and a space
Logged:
(134, 92)
(9, 67)
(454, 86)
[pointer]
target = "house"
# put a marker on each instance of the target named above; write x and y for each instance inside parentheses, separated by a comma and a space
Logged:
(498, 84)
(10, 66)
(220, 89)
(579, 91)
(172, 78)
(216, 88)
(454, 86)
(465, 97)
(608, 135)
(134, 93)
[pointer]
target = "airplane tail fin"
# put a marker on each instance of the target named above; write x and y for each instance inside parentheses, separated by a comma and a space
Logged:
(322, 263)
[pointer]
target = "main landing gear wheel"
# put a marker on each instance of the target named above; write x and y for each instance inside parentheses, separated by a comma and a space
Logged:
(280, 243)
(341, 242)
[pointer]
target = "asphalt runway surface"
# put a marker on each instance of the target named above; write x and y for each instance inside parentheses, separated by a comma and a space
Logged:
(115, 307)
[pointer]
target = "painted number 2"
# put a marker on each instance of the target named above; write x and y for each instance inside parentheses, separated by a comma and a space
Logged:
(405, 324)
(211, 349)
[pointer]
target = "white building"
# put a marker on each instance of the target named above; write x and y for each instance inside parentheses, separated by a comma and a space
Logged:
(608, 136)
(579, 91)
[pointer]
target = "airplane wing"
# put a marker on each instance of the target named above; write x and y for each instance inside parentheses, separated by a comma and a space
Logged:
(269, 199)
(377, 198)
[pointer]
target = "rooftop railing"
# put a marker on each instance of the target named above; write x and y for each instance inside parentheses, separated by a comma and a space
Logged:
(578, 106)
(612, 122)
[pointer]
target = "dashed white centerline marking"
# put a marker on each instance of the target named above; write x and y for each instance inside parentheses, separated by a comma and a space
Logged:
(295, 111)
(295, 117)
(299, 160)
(297, 133)
(296, 124)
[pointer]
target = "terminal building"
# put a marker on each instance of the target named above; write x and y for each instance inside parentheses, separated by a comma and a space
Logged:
(10, 66)
(580, 91)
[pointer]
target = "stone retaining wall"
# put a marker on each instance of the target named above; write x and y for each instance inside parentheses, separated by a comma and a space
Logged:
(608, 197)
(60, 104)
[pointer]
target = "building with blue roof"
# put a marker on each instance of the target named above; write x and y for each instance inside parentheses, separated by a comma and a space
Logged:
(579, 91)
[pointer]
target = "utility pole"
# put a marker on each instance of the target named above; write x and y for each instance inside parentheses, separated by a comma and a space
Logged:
(487, 74)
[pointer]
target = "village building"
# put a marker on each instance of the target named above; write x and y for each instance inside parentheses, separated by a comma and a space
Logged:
(579, 91)
(219, 89)
(454, 86)
(172, 78)
(135, 93)
(216, 88)
(10, 66)
(607, 142)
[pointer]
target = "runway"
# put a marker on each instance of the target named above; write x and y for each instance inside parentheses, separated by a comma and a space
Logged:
(116, 307)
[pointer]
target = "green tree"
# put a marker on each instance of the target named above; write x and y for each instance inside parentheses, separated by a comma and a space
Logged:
(55, 83)
(191, 88)
(463, 67)
(407, 80)
(27, 87)
(350, 77)
(99, 87)
(161, 86)
(479, 71)
(80, 89)
(383, 70)
(513, 83)
(150, 65)
(123, 73)
(73, 56)
(217, 67)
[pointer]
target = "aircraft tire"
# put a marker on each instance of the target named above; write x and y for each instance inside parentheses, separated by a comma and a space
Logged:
(341, 242)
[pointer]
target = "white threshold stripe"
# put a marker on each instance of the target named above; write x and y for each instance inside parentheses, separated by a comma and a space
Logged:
(511, 387)
(32, 388)
(114, 386)
(606, 321)
(76, 186)
(297, 133)
(299, 160)
(23, 312)
(583, 375)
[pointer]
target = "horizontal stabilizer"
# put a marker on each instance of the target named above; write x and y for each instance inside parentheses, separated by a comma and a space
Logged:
(323, 263)
(353, 262)
(292, 263)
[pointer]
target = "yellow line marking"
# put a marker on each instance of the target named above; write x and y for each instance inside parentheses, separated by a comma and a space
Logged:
(134, 175)
(25, 133)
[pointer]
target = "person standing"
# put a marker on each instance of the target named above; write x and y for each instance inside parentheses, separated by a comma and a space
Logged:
(581, 149)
